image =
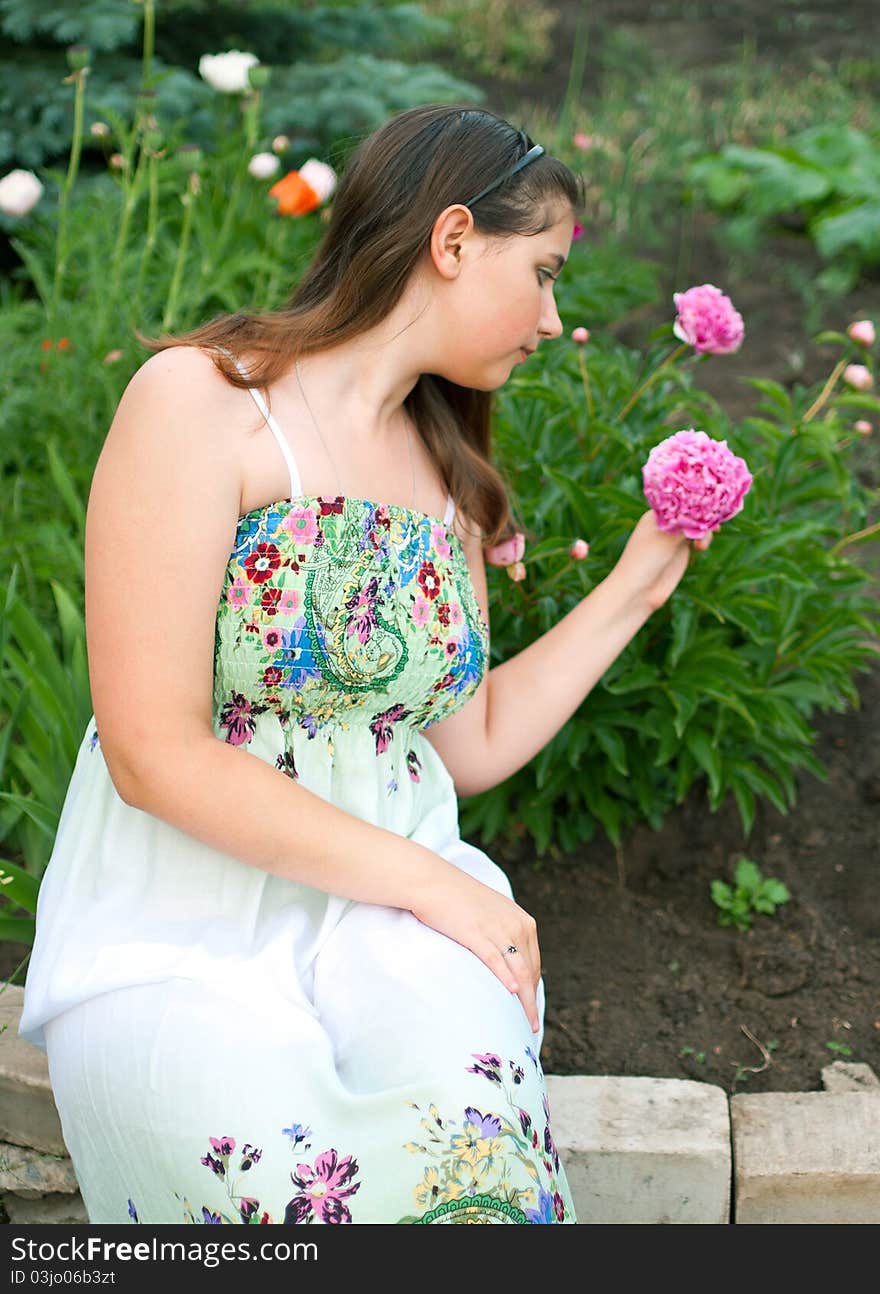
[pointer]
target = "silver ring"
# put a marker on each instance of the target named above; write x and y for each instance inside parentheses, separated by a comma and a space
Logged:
(511, 948)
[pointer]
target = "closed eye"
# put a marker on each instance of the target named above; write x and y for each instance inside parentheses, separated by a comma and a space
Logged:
(547, 275)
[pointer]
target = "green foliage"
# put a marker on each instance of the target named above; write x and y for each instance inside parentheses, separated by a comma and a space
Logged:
(750, 893)
(839, 1048)
(338, 70)
(828, 177)
(503, 39)
(771, 623)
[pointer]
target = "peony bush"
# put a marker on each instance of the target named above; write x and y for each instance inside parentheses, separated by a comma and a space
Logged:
(771, 624)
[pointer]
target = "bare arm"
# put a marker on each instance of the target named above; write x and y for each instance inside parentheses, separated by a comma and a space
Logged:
(523, 702)
(162, 515)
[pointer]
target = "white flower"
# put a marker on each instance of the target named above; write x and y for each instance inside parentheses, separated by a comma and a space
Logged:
(20, 191)
(227, 72)
(319, 176)
(263, 166)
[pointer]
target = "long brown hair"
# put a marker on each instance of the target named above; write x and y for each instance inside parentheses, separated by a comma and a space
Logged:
(395, 184)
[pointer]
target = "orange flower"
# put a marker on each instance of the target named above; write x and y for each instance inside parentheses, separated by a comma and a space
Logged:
(47, 343)
(64, 343)
(295, 196)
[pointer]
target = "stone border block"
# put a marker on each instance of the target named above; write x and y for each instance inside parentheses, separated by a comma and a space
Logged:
(28, 1116)
(806, 1157)
(644, 1150)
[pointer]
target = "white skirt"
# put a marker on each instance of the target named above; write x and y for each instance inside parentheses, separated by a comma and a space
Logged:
(411, 1093)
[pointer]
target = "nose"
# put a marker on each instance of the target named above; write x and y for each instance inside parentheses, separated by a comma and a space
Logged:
(550, 325)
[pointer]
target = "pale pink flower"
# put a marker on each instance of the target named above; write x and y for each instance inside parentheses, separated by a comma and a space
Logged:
(289, 600)
(112, 356)
(421, 610)
(302, 524)
(318, 176)
(280, 144)
(455, 614)
(708, 321)
(863, 427)
(858, 377)
(506, 553)
(694, 483)
(263, 166)
(117, 161)
(862, 331)
(238, 594)
(517, 571)
(582, 141)
(99, 129)
(579, 550)
(439, 540)
(580, 335)
(20, 191)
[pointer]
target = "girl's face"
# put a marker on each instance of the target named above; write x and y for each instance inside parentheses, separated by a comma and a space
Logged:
(501, 303)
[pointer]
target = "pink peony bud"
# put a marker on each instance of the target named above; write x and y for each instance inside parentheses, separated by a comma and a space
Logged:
(112, 356)
(280, 144)
(862, 331)
(577, 232)
(858, 377)
(582, 140)
(708, 321)
(694, 483)
(506, 553)
(517, 571)
(99, 129)
(579, 550)
(863, 427)
(580, 335)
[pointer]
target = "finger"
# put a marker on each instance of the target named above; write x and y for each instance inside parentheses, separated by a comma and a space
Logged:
(528, 985)
(501, 966)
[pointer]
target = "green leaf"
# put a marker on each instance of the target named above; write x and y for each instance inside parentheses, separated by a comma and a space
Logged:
(18, 886)
(747, 875)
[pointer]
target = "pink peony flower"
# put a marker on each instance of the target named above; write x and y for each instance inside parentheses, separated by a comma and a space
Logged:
(858, 377)
(580, 335)
(506, 553)
(707, 321)
(579, 550)
(862, 331)
(582, 140)
(577, 232)
(863, 427)
(694, 483)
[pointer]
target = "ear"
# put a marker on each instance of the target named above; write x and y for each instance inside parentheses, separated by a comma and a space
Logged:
(452, 229)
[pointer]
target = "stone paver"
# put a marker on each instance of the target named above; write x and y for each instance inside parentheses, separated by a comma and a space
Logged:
(645, 1150)
(28, 1116)
(806, 1157)
(841, 1076)
(30, 1173)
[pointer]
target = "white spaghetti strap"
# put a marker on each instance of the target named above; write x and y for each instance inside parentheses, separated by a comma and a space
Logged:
(295, 483)
(450, 510)
(283, 444)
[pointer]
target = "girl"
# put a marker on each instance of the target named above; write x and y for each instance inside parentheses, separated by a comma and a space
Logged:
(272, 980)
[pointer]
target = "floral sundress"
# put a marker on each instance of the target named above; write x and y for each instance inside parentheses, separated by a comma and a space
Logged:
(291, 1056)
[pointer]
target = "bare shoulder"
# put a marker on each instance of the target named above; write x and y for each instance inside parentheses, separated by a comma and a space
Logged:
(161, 520)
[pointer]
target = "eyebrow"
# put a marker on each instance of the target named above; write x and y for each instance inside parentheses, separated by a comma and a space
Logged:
(560, 260)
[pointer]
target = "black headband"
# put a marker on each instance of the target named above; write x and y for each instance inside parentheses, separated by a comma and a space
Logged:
(530, 156)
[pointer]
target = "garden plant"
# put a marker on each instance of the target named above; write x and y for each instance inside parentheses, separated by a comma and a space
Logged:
(772, 624)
